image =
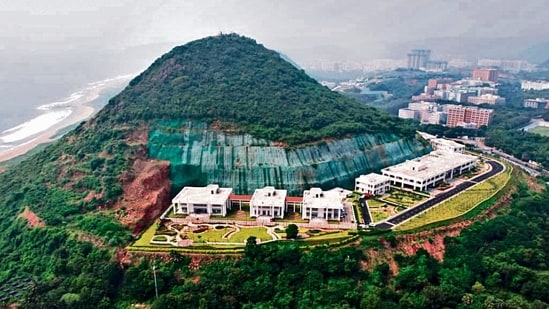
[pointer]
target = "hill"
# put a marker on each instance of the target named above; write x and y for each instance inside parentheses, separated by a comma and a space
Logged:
(101, 182)
(61, 237)
(244, 86)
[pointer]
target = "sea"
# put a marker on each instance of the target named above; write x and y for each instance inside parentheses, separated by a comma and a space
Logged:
(22, 122)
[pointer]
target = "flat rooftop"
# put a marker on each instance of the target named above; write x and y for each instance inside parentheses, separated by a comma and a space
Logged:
(211, 194)
(446, 142)
(372, 178)
(316, 198)
(435, 163)
(269, 196)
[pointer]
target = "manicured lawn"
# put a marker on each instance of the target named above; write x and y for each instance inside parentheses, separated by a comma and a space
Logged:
(373, 203)
(245, 233)
(212, 235)
(544, 131)
(146, 237)
(404, 198)
(459, 204)
(379, 215)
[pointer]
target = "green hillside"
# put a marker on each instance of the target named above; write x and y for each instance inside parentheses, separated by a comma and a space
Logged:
(70, 254)
(234, 80)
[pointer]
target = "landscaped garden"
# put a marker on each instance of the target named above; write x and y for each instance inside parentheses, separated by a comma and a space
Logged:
(459, 204)
(404, 198)
(166, 235)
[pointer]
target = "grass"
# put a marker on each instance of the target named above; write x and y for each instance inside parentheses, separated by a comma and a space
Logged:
(404, 198)
(379, 215)
(373, 203)
(160, 238)
(245, 232)
(459, 204)
(543, 131)
(211, 235)
(145, 238)
(358, 213)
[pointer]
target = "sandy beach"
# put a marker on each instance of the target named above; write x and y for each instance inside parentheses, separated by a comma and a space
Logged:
(81, 110)
(79, 113)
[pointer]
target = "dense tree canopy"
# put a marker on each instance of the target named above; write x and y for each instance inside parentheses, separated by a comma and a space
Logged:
(234, 80)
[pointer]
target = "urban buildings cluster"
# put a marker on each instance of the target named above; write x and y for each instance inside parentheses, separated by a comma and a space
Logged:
(481, 89)
(450, 115)
(513, 66)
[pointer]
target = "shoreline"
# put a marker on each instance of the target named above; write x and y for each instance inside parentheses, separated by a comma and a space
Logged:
(79, 114)
(81, 111)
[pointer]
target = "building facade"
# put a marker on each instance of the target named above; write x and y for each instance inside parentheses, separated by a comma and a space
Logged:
(326, 205)
(486, 75)
(268, 202)
(372, 183)
(407, 113)
(430, 170)
(486, 99)
(446, 145)
(418, 58)
(536, 103)
(474, 117)
(211, 200)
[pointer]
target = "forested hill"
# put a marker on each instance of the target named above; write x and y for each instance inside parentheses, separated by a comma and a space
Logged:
(232, 80)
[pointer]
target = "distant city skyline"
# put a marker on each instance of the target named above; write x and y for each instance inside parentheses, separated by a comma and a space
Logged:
(332, 30)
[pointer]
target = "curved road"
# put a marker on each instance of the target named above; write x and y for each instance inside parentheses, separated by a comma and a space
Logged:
(405, 215)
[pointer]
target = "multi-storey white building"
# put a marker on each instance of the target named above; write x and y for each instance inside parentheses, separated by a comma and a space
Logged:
(268, 202)
(327, 205)
(429, 170)
(534, 85)
(446, 145)
(536, 103)
(211, 200)
(372, 183)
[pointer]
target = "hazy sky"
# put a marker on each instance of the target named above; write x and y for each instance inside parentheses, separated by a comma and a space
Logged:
(302, 29)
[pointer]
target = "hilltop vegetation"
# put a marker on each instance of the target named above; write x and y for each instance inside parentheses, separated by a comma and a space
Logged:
(243, 85)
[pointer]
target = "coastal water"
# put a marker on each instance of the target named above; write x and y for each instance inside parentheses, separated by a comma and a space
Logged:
(32, 121)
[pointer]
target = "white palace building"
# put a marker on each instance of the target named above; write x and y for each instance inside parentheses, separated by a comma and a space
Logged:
(372, 183)
(429, 170)
(211, 200)
(323, 204)
(268, 202)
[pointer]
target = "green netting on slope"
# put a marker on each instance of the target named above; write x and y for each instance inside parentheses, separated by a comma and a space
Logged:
(199, 156)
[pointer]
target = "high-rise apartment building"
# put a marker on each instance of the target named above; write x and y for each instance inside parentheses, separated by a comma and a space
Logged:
(418, 58)
(462, 116)
(486, 75)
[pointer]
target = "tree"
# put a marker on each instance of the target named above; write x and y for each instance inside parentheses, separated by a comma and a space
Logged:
(291, 231)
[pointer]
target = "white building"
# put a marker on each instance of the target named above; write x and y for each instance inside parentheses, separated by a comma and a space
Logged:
(268, 202)
(486, 99)
(534, 85)
(446, 145)
(429, 170)
(406, 113)
(211, 200)
(327, 205)
(372, 183)
(536, 103)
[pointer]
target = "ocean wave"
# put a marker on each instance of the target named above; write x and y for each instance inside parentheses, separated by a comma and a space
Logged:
(34, 126)
(73, 97)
